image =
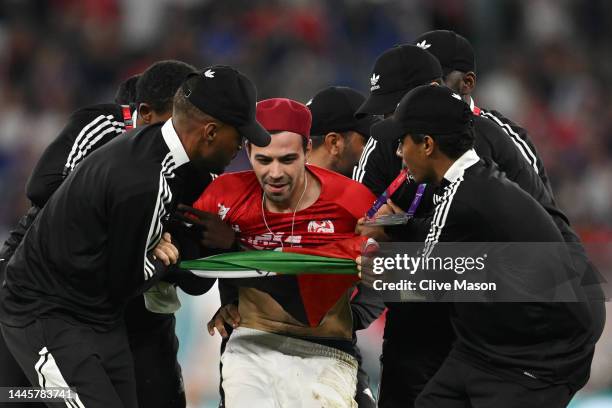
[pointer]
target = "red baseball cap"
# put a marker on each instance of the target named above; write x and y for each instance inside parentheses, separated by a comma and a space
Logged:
(282, 114)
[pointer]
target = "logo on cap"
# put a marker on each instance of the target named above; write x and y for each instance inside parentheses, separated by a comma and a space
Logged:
(374, 81)
(423, 44)
(209, 73)
(456, 96)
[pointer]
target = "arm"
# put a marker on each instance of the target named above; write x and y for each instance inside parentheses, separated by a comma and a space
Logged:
(493, 143)
(86, 130)
(367, 305)
(378, 166)
(16, 235)
(199, 233)
(227, 317)
(135, 211)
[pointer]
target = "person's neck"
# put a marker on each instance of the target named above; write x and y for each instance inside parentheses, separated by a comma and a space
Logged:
(441, 166)
(320, 158)
(304, 195)
(185, 135)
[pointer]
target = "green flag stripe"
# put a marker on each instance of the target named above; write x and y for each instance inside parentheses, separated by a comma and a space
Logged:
(273, 261)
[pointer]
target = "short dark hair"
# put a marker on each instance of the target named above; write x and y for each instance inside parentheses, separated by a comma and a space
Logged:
(453, 145)
(317, 140)
(182, 106)
(126, 92)
(158, 84)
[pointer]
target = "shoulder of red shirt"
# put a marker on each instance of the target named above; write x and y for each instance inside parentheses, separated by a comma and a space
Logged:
(346, 192)
(229, 186)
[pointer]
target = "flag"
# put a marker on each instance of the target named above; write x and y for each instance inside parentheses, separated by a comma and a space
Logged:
(252, 264)
(323, 274)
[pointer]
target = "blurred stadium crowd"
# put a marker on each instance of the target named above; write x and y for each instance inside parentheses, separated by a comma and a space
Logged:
(546, 64)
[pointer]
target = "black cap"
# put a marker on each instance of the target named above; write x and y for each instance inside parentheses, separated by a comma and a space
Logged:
(454, 52)
(396, 72)
(229, 96)
(333, 110)
(428, 109)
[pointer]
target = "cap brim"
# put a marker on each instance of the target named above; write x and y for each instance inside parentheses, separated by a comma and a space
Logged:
(255, 133)
(380, 104)
(387, 130)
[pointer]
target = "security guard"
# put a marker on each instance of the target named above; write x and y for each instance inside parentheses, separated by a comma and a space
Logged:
(140, 100)
(499, 359)
(396, 72)
(100, 240)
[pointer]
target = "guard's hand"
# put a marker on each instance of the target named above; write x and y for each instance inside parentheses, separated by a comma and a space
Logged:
(364, 266)
(364, 263)
(389, 208)
(376, 232)
(165, 251)
(226, 314)
(215, 232)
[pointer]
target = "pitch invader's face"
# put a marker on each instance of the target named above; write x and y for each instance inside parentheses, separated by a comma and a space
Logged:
(280, 166)
(416, 159)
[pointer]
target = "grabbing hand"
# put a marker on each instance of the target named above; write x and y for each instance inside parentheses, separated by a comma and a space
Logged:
(226, 314)
(215, 232)
(389, 208)
(376, 232)
(165, 251)
(364, 263)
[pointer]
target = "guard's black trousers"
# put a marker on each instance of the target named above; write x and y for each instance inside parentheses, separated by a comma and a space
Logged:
(418, 337)
(459, 384)
(11, 375)
(159, 382)
(98, 365)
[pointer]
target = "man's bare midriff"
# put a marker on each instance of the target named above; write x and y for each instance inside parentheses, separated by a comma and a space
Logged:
(258, 310)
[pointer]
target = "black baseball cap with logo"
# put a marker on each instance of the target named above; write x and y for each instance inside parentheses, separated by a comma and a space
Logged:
(454, 52)
(397, 71)
(333, 110)
(428, 109)
(228, 95)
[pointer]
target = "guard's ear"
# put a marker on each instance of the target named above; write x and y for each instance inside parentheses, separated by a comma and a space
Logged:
(145, 112)
(468, 83)
(333, 142)
(210, 131)
(428, 145)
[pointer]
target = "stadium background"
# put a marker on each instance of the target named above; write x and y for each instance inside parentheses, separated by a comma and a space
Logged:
(547, 64)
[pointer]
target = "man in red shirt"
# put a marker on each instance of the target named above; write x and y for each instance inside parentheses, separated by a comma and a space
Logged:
(293, 346)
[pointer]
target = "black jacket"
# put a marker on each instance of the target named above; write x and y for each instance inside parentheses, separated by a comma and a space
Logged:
(521, 139)
(89, 249)
(379, 166)
(551, 341)
(86, 130)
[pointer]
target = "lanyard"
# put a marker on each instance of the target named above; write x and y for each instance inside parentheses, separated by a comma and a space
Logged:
(416, 200)
(382, 199)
